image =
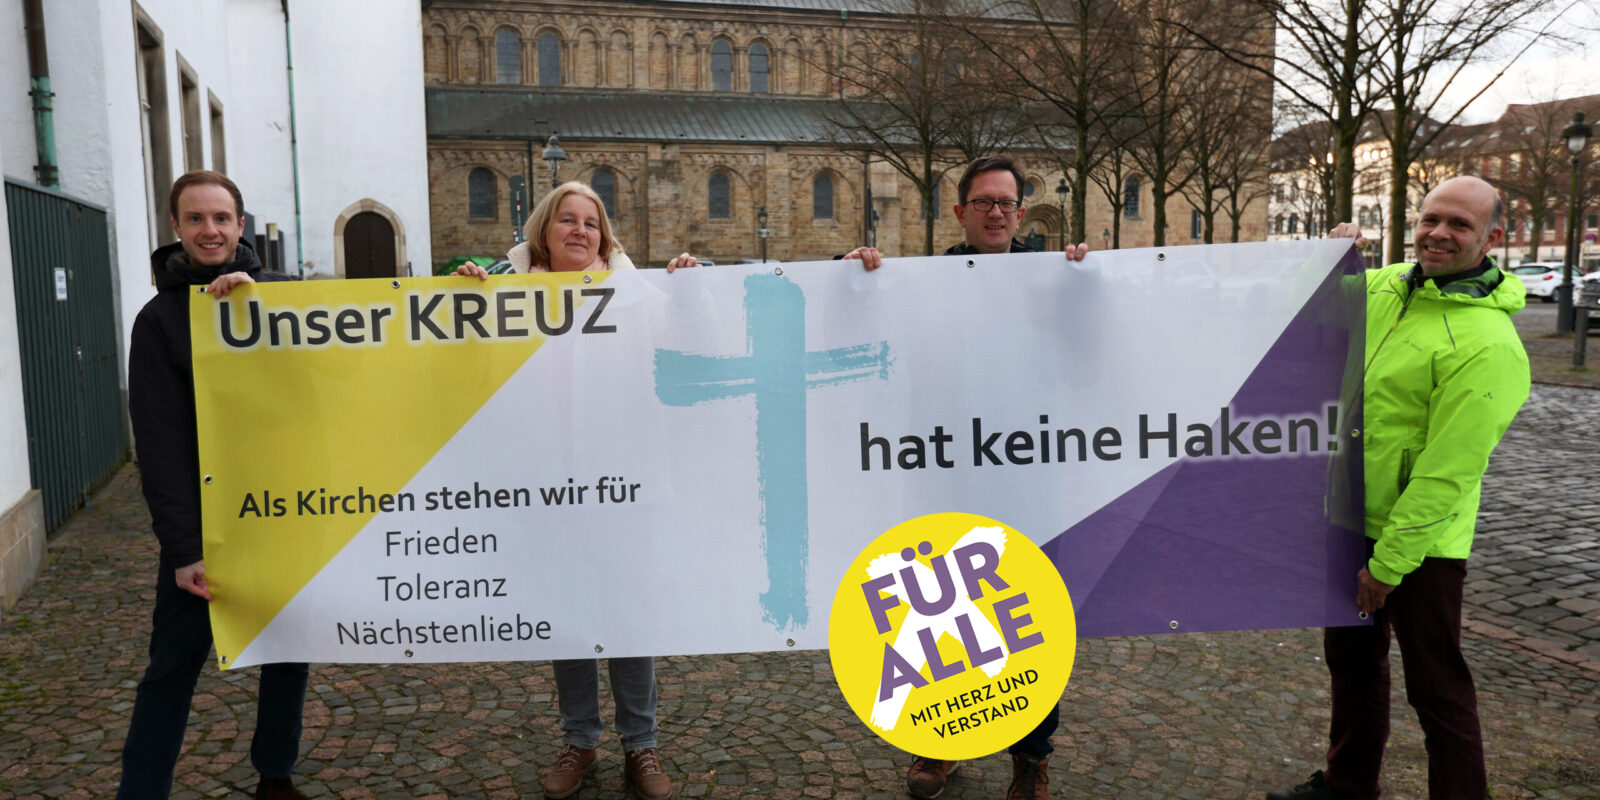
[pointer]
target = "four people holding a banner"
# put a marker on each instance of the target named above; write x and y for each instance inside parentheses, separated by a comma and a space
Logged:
(1432, 420)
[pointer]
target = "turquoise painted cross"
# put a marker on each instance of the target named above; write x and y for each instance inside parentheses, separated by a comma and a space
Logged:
(778, 371)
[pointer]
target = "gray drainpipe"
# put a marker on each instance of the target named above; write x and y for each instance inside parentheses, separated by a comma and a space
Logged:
(44, 127)
(294, 146)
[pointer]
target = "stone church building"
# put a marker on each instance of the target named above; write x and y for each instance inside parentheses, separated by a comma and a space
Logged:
(689, 118)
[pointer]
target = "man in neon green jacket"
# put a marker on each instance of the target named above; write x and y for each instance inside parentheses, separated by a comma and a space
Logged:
(1445, 374)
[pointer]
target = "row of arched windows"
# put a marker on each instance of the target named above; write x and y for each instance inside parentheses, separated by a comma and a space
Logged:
(610, 61)
(483, 194)
(719, 196)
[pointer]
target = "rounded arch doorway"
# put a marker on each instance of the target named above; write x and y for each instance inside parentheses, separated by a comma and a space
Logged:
(369, 242)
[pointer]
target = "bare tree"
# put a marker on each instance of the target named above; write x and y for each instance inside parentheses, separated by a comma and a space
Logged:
(1168, 80)
(911, 95)
(1327, 61)
(1242, 168)
(1427, 44)
(1229, 127)
(1110, 176)
(1532, 167)
(1302, 155)
(1063, 58)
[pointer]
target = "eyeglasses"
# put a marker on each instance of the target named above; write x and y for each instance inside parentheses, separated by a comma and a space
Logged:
(984, 205)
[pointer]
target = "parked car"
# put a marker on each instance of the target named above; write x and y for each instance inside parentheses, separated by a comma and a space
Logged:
(1540, 278)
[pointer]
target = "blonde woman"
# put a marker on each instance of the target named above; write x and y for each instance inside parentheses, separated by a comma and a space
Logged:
(569, 232)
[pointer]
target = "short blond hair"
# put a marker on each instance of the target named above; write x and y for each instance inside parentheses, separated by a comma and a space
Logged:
(545, 213)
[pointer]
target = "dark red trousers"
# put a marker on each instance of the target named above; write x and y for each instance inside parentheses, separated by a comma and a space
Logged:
(1424, 612)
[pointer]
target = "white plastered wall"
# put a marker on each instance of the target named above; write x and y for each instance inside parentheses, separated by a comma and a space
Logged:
(256, 118)
(361, 122)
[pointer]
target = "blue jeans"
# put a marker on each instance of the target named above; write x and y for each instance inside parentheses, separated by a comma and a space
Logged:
(180, 643)
(633, 687)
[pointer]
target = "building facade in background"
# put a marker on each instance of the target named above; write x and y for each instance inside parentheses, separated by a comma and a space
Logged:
(323, 132)
(690, 118)
(1522, 152)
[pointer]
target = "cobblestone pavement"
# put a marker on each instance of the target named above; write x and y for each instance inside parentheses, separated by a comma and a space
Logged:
(1182, 716)
(1550, 355)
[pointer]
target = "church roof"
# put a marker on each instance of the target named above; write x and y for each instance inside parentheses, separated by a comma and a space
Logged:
(990, 9)
(625, 116)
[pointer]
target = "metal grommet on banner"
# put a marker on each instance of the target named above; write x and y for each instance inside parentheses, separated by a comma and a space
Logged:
(201, 290)
(222, 659)
(599, 649)
(1161, 256)
(1361, 615)
(396, 284)
(971, 263)
(1173, 624)
(207, 480)
(408, 654)
(1355, 433)
(777, 270)
(789, 642)
(588, 278)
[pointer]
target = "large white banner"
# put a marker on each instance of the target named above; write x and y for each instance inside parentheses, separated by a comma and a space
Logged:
(638, 463)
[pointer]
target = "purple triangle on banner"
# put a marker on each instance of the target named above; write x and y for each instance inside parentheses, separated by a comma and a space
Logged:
(1215, 544)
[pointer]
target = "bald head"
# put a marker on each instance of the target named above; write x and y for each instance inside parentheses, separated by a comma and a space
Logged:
(1482, 190)
(1459, 224)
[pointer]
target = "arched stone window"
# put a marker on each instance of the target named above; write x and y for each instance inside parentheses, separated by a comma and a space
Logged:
(719, 199)
(604, 183)
(932, 211)
(1130, 197)
(480, 194)
(1196, 223)
(507, 57)
(822, 197)
(759, 68)
(1277, 224)
(1294, 224)
(549, 46)
(721, 66)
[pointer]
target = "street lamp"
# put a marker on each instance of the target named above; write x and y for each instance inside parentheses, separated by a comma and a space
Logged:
(763, 231)
(1061, 199)
(1577, 135)
(554, 155)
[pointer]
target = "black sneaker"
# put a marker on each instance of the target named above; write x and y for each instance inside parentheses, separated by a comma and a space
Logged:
(1316, 788)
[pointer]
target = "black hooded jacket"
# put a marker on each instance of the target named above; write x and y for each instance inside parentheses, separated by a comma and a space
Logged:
(161, 397)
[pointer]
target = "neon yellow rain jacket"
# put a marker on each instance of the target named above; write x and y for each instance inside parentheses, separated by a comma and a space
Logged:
(1445, 375)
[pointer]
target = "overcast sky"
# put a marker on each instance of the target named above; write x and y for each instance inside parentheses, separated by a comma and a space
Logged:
(1551, 70)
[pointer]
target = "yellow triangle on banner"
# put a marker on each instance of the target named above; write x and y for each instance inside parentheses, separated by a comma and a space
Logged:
(326, 389)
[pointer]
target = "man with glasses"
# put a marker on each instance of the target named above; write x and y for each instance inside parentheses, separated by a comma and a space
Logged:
(990, 210)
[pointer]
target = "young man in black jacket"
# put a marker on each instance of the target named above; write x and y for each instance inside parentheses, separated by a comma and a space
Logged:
(207, 214)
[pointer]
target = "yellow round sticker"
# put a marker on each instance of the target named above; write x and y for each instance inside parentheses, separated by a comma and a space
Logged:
(952, 636)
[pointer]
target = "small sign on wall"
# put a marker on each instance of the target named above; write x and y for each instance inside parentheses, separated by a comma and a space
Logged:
(61, 284)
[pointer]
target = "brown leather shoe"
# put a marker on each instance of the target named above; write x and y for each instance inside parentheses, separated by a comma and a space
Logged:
(277, 789)
(1030, 778)
(566, 777)
(928, 776)
(644, 772)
